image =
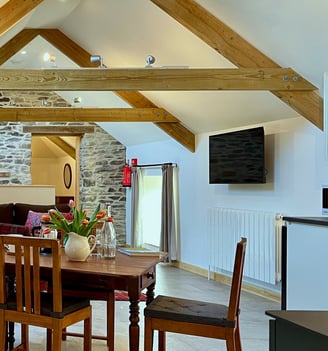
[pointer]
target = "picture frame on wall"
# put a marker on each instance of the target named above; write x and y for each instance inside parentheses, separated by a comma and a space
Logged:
(67, 175)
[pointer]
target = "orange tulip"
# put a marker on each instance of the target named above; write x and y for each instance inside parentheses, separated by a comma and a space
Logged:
(45, 218)
(46, 231)
(101, 214)
(77, 222)
(85, 221)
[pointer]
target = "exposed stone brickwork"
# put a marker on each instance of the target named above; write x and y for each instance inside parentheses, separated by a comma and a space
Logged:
(101, 157)
(15, 154)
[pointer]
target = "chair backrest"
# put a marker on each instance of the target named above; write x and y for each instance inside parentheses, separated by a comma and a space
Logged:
(24, 266)
(237, 277)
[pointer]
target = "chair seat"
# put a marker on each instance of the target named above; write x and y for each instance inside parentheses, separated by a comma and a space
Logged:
(69, 305)
(184, 310)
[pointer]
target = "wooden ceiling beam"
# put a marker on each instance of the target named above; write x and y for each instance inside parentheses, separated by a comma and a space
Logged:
(237, 50)
(67, 46)
(13, 11)
(17, 43)
(134, 98)
(154, 79)
(67, 148)
(69, 114)
(67, 130)
(177, 131)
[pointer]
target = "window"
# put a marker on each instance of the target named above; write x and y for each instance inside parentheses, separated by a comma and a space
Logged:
(151, 209)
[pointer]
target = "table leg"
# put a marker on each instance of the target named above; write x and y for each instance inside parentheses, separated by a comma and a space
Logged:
(150, 294)
(111, 321)
(134, 329)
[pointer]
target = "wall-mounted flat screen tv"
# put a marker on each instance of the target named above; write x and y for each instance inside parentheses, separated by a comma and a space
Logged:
(237, 157)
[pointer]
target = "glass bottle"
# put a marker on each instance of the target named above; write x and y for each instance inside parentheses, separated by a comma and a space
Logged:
(108, 237)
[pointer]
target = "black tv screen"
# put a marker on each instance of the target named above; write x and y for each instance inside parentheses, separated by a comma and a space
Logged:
(237, 157)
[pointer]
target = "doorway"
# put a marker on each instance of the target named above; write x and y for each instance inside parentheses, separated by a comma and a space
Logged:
(54, 162)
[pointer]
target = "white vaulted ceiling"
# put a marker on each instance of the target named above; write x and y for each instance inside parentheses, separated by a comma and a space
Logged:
(124, 32)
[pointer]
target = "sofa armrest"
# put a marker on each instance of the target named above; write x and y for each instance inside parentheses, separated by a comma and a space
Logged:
(8, 228)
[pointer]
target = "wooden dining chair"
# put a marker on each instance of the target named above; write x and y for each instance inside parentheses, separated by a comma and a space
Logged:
(171, 314)
(95, 293)
(30, 305)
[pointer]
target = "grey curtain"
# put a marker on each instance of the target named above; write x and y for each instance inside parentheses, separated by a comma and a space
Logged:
(136, 196)
(168, 225)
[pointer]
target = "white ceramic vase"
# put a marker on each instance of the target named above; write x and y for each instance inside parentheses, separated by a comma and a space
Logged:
(78, 248)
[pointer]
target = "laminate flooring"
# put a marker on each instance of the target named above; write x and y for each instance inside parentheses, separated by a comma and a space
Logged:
(254, 324)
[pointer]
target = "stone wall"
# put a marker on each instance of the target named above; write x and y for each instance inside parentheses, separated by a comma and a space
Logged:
(102, 160)
(101, 157)
(15, 154)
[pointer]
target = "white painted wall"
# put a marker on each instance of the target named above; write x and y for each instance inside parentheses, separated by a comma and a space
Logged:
(297, 168)
(30, 194)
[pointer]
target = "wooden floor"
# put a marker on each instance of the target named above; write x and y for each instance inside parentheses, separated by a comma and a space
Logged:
(176, 282)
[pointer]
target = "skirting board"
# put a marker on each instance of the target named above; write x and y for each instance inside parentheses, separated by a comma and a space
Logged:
(227, 280)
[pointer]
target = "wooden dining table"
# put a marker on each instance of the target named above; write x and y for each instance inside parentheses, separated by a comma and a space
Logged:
(128, 273)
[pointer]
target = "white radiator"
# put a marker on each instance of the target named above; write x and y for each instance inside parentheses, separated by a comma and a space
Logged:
(263, 233)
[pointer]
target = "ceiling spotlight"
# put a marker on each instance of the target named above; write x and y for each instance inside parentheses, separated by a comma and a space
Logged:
(150, 60)
(97, 58)
(47, 57)
(50, 58)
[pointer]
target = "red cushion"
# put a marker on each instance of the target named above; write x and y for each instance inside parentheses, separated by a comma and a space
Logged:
(68, 216)
(6, 228)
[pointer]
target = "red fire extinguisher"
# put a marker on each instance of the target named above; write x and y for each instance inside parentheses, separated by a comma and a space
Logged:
(127, 172)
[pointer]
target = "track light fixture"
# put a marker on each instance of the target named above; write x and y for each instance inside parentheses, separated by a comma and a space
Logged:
(150, 60)
(97, 58)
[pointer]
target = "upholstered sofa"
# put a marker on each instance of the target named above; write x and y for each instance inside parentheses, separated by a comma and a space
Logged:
(20, 218)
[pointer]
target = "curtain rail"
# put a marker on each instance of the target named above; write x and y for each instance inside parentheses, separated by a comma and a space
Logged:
(156, 165)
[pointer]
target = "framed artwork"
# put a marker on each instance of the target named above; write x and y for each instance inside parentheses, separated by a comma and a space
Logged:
(67, 175)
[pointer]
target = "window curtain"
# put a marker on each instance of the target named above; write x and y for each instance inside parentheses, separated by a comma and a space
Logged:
(136, 206)
(168, 240)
